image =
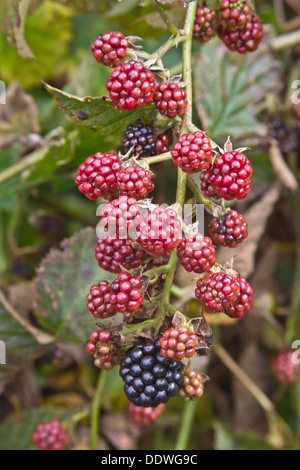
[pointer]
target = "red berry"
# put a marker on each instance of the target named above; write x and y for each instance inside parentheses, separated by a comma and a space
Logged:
(196, 253)
(99, 301)
(192, 387)
(120, 217)
(126, 293)
(192, 152)
(144, 416)
(110, 48)
(50, 436)
(217, 291)
(103, 349)
(205, 26)
(230, 229)
(135, 181)
(163, 143)
(284, 368)
(229, 176)
(131, 85)
(233, 14)
(178, 343)
(170, 100)
(244, 299)
(97, 176)
(245, 40)
(113, 254)
(207, 188)
(159, 231)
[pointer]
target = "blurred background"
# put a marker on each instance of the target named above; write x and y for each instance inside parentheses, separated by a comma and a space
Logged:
(47, 231)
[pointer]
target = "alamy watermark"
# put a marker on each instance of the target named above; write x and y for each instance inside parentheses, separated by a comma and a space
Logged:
(296, 354)
(2, 92)
(296, 94)
(2, 353)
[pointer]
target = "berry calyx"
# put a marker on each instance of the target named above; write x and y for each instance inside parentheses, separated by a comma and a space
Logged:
(217, 291)
(159, 231)
(196, 253)
(103, 349)
(230, 229)
(131, 85)
(99, 301)
(192, 152)
(50, 436)
(228, 177)
(178, 343)
(110, 48)
(244, 299)
(140, 138)
(284, 368)
(193, 386)
(120, 217)
(135, 181)
(150, 378)
(144, 416)
(205, 26)
(97, 176)
(113, 254)
(233, 14)
(170, 99)
(126, 293)
(245, 40)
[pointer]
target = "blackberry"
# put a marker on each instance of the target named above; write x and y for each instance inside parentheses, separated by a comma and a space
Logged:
(205, 26)
(283, 367)
(141, 137)
(217, 291)
(230, 229)
(131, 85)
(234, 14)
(135, 181)
(244, 299)
(170, 100)
(150, 378)
(110, 48)
(192, 152)
(103, 349)
(245, 40)
(120, 217)
(178, 343)
(50, 436)
(163, 142)
(196, 253)
(126, 293)
(99, 301)
(113, 254)
(192, 386)
(144, 416)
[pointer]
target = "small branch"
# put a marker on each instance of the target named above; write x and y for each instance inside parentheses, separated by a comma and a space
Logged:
(40, 336)
(285, 41)
(199, 196)
(23, 164)
(158, 158)
(186, 426)
(172, 28)
(95, 410)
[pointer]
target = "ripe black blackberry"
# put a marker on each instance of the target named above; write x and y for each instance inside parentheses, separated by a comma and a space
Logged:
(150, 378)
(141, 137)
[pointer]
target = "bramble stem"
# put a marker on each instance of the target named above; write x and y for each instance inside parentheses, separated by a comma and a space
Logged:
(158, 158)
(172, 28)
(95, 410)
(186, 427)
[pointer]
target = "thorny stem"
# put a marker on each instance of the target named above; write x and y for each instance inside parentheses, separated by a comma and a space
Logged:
(95, 410)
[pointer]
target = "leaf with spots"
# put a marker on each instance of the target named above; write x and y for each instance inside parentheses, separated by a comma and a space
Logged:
(63, 281)
(15, 27)
(99, 113)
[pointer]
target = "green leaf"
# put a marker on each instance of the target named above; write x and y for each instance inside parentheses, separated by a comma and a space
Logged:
(16, 432)
(18, 340)
(228, 88)
(15, 27)
(62, 284)
(99, 113)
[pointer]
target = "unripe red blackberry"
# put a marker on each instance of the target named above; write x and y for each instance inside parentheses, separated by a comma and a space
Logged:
(245, 40)
(244, 299)
(135, 181)
(196, 253)
(192, 152)
(159, 231)
(120, 217)
(97, 176)
(193, 386)
(207, 188)
(163, 143)
(103, 349)
(205, 26)
(50, 436)
(217, 291)
(110, 48)
(140, 138)
(230, 229)
(178, 343)
(99, 301)
(126, 293)
(230, 176)
(170, 100)
(150, 378)
(131, 85)
(234, 14)
(144, 416)
(113, 254)
(284, 368)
